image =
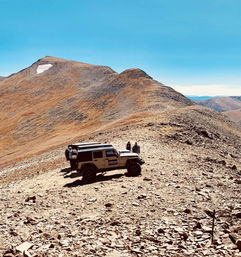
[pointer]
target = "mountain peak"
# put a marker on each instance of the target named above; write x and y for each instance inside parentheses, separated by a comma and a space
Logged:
(135, 73)
(52, 60)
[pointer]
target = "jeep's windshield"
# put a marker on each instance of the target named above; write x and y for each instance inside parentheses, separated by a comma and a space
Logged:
(112, 152)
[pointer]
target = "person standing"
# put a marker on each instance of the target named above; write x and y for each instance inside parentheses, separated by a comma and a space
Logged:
(128, 146)
(136, 148)
(67, 153)
(70, 153)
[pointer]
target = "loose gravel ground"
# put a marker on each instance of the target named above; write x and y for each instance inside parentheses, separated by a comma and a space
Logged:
(167, 211)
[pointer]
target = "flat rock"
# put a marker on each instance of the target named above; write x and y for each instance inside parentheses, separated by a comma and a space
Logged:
(24, 247)
(238, 243)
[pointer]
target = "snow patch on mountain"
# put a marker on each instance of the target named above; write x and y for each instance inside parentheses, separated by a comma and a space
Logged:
(43, 67)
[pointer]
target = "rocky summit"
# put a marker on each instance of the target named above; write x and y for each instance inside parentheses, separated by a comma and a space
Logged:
(186, 202)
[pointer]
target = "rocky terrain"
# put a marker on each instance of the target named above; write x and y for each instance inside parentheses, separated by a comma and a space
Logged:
(192, 169)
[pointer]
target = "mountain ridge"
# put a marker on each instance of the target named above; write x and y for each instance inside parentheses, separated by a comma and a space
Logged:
(221, 104)
(230, 106)
(55, 101)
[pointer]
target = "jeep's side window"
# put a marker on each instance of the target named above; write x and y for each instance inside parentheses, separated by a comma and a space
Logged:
(110, 153)
(97, 155)
(84, 156)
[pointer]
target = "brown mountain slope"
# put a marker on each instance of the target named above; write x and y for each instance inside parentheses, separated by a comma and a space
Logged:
(192, 167)
(54, 101)
(230, 106)
(183, 180)
(234, 115)
(222, 104)
(2, 78)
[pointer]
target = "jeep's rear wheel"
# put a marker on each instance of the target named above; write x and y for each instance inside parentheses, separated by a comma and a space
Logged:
(134, 169)
(89, 173)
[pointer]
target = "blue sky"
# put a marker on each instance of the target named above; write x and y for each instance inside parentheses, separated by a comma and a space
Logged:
(193, 46)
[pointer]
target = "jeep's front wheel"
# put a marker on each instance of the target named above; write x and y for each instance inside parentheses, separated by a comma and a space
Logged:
(89, 174)
(134, 169)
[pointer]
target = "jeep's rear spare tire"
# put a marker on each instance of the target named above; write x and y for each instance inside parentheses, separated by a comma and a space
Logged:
(89, 173)
(134, 169)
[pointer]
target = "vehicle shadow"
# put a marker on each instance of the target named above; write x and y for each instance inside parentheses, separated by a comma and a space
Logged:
(99, 178)
(72, 175)
(66, 170)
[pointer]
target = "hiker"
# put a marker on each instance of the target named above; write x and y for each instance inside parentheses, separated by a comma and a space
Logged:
(136, 148)
(70, 152)
(128, 146)
(67, 151)
(73, 163)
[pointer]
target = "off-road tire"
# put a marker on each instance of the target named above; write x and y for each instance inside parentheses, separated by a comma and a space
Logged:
(134, 169)
(89, 173)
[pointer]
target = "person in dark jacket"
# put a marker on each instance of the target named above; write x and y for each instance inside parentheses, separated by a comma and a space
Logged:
(68, 153)
(128, 146)
(136, 148)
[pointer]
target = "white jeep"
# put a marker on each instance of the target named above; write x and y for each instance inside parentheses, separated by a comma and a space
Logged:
(92, 158)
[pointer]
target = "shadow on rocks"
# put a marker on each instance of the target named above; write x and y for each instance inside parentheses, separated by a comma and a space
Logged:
(66, 170)
(99, 178)
(72, 175)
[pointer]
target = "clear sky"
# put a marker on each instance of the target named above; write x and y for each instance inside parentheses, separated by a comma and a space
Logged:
(192, 46)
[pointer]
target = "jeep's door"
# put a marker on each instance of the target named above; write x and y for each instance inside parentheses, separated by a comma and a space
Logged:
(99, 159)
(111, 160)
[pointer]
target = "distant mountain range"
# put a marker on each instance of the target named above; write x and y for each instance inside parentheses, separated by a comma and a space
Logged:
(200, 98)
(230, 106)
(222, 104)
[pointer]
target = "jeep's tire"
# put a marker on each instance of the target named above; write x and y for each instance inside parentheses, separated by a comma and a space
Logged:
(134, 169)
(89, 173)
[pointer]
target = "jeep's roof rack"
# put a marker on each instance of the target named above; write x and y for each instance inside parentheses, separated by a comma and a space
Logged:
(85, 143)
(94, 145)
(96, 148)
